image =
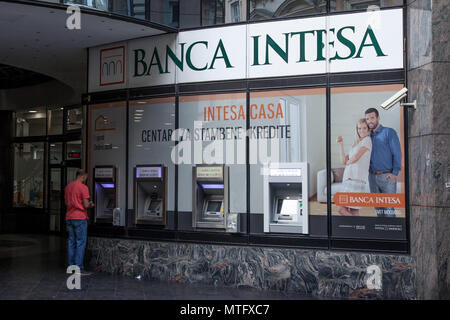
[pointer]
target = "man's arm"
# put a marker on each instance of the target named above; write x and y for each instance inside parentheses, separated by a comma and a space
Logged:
(87, 204)
(394, 145)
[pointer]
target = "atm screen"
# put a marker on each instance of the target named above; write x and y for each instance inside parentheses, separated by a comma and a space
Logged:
(287, 207)
(153, 205)
(214, 206)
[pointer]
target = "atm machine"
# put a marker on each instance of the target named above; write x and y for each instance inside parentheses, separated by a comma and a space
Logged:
(285, 195)
(150, 194)
(105, 195)
(210, 196)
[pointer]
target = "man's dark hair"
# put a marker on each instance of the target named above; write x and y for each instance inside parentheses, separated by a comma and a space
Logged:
(370, 110)
(80, 172)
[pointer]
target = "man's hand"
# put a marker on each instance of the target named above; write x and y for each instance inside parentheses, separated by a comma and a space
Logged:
(392, 176)
(91, 204)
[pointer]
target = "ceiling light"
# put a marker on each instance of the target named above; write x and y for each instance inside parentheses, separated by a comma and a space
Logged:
(32, 111)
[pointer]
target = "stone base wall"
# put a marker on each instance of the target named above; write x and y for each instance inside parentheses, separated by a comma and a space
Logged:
(316, 273)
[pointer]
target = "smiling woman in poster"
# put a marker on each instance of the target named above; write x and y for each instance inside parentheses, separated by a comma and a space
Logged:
(356, 163)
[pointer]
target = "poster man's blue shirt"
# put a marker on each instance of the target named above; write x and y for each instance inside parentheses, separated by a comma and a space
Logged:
(386, 153)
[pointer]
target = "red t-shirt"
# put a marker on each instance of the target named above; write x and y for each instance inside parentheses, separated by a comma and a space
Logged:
(74, 194)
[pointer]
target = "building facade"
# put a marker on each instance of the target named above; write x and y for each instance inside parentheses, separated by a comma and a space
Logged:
(254, 105)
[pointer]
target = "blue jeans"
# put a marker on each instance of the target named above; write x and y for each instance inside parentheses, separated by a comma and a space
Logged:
(379, 183)
(77, 242)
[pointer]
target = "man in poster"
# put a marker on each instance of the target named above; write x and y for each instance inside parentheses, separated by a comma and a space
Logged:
(385, 160)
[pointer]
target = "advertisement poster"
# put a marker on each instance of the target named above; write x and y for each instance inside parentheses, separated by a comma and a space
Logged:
(367, 159)
(288, 126)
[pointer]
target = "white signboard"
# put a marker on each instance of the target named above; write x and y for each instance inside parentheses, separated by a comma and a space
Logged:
(339, 43)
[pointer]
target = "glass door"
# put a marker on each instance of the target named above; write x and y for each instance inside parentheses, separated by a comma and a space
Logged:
(56, 197)
(64, 160)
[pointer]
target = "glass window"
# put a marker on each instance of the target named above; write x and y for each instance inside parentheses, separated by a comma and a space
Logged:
(55, 121)
(213, 12)
(73, 150)
(287, 127)
(349, 5)
(56, 154)
(223, 11)
(107, 139)
(266, 10)
(165, 12)
(74, 119)
(367, 161)
(31, 122)
(213, 133)
(151, 125)
(28, 175)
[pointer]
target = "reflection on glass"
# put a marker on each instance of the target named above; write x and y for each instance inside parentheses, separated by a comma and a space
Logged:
(266, 10)
(31, 122)
(28, 175)
(223, 11)
(55, 121)
(213, 12)
(55, 199)
(165, 12)
(71, 175)
(349, 5)
(55, 153)
(74, 119)
(73, 150)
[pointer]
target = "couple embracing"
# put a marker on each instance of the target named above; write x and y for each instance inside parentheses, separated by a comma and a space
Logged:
(374, 160)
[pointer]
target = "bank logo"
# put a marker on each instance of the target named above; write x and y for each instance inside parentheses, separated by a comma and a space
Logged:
(102, 123)
(112, 66)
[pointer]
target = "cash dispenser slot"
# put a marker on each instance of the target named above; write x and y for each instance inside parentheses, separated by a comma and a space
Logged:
(150, 194)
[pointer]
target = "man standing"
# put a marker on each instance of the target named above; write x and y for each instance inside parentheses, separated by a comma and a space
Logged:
(76, 195)
(385, 160)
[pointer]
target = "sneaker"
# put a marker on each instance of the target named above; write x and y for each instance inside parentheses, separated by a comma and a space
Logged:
(85, 273)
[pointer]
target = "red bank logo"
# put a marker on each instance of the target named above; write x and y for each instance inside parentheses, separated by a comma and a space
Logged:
(102, 123)
(112, 66)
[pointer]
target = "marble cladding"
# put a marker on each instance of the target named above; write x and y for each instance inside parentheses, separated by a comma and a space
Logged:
(429, 170)
(420, 89)
(440, 27)
(443, 251)
(441, 97)
(419, 15)
(423, 244)
(314, 273)
(429, 145)
(431, 245)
